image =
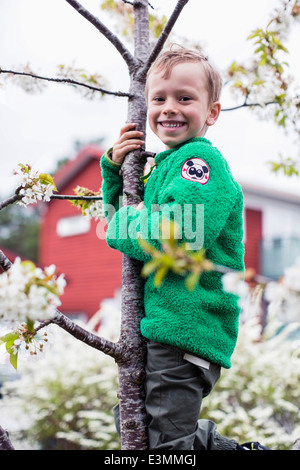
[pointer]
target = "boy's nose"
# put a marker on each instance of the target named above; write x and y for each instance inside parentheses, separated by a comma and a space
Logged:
(170, 112)
(170, 109)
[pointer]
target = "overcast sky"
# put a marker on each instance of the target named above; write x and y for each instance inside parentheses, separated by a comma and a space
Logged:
(40, 129)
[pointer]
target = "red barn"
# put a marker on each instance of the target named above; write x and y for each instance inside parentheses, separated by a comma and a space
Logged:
(68, 240)
(253, 235)
(272, 229)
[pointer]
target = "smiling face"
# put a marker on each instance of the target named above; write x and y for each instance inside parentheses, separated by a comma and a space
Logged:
(178, 106)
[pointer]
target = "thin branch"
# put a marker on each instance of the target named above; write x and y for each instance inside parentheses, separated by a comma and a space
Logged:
(5, 263)
(76, 198)
(164, 36)
(12, 199)
(115, 41)
(249, 105)
(66, 197)
(68, 81)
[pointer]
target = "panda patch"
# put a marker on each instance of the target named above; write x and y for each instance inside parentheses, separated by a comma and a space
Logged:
(195, 169)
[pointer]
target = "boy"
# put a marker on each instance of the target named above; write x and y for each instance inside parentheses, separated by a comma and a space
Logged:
(191, 335)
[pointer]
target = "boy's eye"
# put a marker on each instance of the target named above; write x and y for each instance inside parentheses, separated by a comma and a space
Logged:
(158, 98)
(185, 98)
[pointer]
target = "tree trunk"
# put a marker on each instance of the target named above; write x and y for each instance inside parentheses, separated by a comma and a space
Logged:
(5, 443)
(131, 373)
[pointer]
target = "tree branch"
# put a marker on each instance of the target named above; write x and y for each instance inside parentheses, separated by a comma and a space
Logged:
(248, 105)
(76, 198)
(115, 41)
(12, 199)
(114, 350)
(68, 81)
(67, 197)
(296, 445)
(164, 36)
(5, 443)
(5, 263)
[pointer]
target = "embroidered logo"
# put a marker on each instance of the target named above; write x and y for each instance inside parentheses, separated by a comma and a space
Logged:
(195, 169)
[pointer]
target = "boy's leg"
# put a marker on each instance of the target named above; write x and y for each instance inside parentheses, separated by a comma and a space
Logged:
(174, 392)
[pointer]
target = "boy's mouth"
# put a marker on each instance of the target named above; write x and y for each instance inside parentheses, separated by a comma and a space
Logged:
(172, 124)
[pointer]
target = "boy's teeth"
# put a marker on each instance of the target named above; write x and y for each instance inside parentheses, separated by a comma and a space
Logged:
(171, 124)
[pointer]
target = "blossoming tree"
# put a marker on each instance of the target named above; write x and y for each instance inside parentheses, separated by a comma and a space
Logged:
(30, 296)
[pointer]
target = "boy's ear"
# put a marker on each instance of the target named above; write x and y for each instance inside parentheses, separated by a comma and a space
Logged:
(214, 113)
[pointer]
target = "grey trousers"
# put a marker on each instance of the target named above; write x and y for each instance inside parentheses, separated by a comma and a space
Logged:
(174, 392)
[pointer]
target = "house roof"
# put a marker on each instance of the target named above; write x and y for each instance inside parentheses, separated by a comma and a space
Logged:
(270, 193)
(72, 167)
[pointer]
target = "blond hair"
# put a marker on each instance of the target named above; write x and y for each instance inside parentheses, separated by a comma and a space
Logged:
(168, 59)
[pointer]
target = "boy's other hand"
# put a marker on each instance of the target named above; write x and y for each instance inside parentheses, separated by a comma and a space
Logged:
(130, 139)
(140, 206)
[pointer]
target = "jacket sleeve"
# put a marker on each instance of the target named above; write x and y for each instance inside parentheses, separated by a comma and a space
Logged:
(112, 185)
(128, 224)
(124, 223)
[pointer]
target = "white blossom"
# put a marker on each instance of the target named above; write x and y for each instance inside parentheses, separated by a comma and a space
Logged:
(234, 284)
(35, 186)
(28, 292)
(292, 276)
(29, 344)
(284, 296)
(94, 210)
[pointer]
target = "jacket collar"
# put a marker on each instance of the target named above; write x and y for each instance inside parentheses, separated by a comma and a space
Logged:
(162, 155)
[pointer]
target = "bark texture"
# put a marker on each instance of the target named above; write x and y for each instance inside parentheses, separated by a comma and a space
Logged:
(5, 443)
(133, 424)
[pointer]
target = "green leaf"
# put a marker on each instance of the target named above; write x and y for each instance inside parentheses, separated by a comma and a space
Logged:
(192, 280)
(263, 60)
(262, 47)
(9, 339)
(30, 325)
(9, 344)
(160, 275)
(13, 358)
(258, 81)
(150, 267)
(12, 336)
(25, 167)
(47, 179)
(255, 33)
(280, 98)
(234, 67)
(28, 264)
(146, 246)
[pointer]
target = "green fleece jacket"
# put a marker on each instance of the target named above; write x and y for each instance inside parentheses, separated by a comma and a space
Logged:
(191, 183)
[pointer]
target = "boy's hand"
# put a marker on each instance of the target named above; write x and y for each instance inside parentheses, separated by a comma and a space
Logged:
(129, 140)
(140, 206)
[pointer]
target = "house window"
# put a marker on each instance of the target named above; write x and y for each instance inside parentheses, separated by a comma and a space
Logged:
(70, 226)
